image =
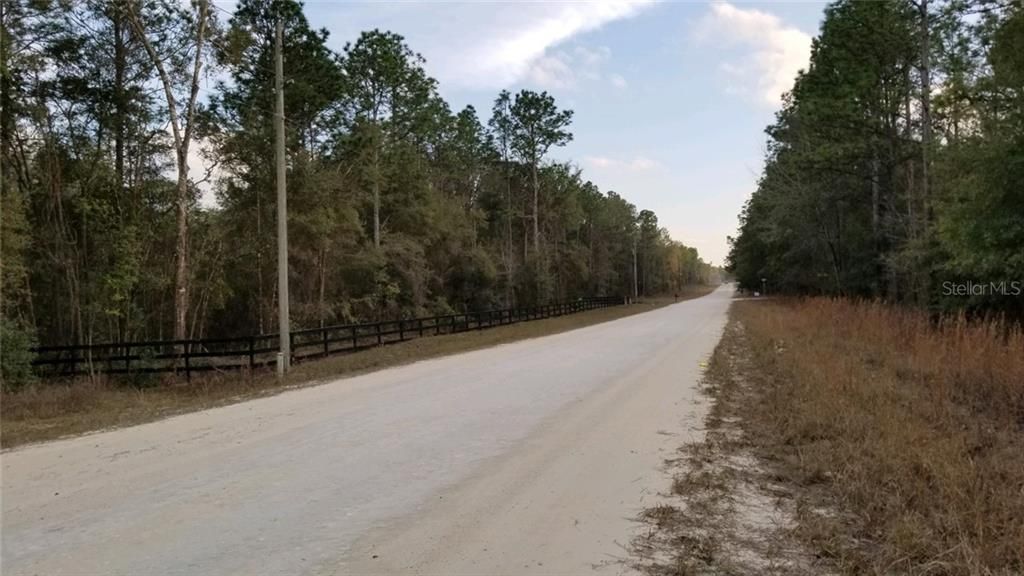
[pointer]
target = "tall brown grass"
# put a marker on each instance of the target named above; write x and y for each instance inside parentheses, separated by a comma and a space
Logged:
(905, 436)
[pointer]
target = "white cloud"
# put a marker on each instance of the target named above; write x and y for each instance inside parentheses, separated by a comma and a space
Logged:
(552, 72)
(599, 161)
(590, 60)
(637, 164)
(487, 45)
(778, 50)
(618, 81)
(566, 69)
(641, 164)
(509, 58)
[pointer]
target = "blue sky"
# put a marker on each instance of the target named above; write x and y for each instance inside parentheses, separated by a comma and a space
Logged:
(670, 98)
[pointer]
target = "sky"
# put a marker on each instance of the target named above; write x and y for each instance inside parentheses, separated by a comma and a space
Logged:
(671, 98)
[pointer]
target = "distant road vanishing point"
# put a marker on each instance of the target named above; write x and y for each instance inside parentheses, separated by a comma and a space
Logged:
(530, 457)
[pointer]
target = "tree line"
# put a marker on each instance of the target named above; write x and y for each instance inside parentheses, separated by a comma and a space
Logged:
(398, 205)
(895, 169)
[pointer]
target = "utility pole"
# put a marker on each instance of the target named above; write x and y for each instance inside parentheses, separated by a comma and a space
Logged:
(636, 292)
(284, 326)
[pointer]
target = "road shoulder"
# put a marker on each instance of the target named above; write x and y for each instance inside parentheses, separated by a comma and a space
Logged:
(50, 411)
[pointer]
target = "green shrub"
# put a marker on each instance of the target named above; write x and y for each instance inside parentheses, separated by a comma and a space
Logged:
(15, 356)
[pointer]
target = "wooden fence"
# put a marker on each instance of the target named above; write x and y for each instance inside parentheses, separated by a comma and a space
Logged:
(252, 352)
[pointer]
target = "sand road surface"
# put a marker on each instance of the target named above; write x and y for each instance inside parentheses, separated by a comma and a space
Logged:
(525, 458)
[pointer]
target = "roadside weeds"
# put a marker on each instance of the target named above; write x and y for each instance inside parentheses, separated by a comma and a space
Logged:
(727, 512)
(884, 443)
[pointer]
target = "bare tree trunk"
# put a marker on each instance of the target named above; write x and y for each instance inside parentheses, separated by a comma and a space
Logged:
(912, 223)
(876, 233)
(636, 289)
(924, 284)
(259, 263)
(526, 243)
(181, 253)
(536, 210)
(509, 265)
(119, 99)
(376, 193)
(833, 244)
(538, 264)
(926, 108)
(322, 265)
(182, 139)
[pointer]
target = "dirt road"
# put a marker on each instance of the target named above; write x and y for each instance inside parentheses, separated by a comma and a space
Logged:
(529, 457)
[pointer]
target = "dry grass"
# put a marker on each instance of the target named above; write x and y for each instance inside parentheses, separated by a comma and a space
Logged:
(52, 410)
(726, 512)
(905, 439)
(897, 445)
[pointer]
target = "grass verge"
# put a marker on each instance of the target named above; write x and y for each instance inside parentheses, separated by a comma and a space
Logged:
(726, 513)
(50, 410)
(898, 443)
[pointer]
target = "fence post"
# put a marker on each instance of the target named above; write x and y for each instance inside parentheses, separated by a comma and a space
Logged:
(188, 369)
(379, 341)
(401, 330)
(252, 353)
(325, 341)
(355, 337)
(419, 324)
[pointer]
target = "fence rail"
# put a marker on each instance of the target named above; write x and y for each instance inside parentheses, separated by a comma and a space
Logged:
(253, 352)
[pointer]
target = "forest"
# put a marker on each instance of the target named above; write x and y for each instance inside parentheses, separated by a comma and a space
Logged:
(397, 204)
(895, 169)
